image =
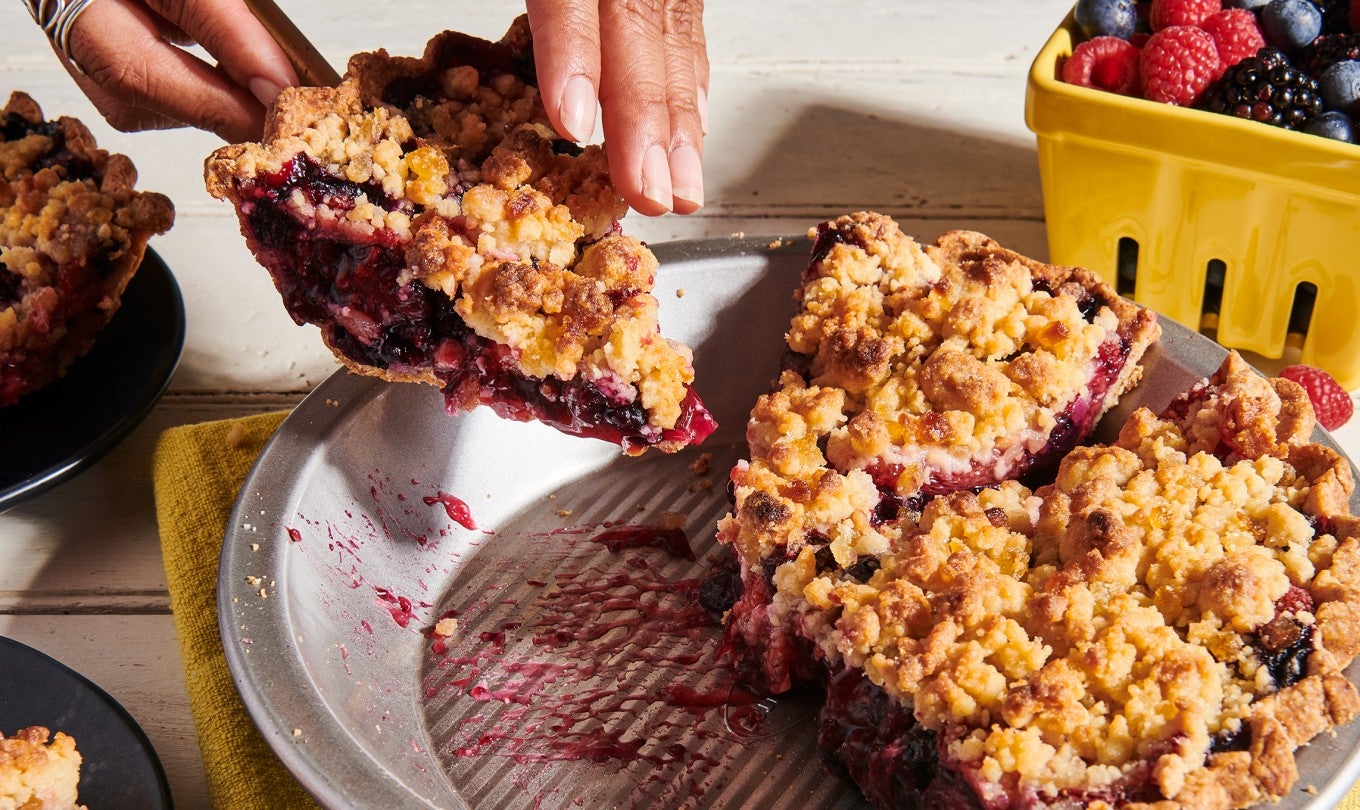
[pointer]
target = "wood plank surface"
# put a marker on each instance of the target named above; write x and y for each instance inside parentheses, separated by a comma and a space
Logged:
(911, 108)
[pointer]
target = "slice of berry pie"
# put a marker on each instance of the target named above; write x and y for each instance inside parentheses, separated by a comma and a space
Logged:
(72, 234)
(39, 770)
(912, 372)
(1161, 627)
(427, 219)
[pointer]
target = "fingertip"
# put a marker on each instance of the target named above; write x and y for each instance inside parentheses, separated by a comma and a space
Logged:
(656, 178)
(576, 110)
(241, 125)
(687, 179)
(264, 90)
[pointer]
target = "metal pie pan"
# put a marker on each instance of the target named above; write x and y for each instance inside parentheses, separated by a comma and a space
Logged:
(570, 679)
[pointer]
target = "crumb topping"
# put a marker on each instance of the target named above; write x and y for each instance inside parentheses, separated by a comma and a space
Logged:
(456, 163)
(906, 367)
(72, 232)
(949, 354)
(1139, 609)
(36, 772)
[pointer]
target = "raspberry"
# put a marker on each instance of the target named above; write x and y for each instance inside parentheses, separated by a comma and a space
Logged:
(1177, 64)
(1235, 34)
(1166, 13)
(1332, 405)
(1105, 63)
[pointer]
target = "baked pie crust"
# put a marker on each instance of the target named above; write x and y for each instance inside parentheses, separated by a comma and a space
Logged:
(1160, 626)
(426, 217)
(912, 371)
(72, 234)
(38, 771)
(1163, 626)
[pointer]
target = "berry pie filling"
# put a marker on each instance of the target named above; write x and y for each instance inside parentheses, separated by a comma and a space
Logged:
(915, 371)
(1168, 620)
(72, 234)
(425, 217)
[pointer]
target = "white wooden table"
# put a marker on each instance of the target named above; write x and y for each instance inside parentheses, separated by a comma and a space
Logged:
(914, 109)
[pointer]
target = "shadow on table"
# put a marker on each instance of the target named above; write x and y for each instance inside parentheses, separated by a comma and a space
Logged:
(836, 159)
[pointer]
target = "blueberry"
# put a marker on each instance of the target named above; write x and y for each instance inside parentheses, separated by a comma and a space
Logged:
(1109, 18)
(1332, 124)
(1340, 86)
(1251, 5)
(1290, 24)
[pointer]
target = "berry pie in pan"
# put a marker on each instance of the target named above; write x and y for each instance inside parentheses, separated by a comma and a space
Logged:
(72, 234)
(426, 218)
(912, 372)
(1161, 626)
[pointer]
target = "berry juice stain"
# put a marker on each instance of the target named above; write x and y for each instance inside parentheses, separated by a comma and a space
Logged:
(456, 508)
(671, 541)
(400, 607)
(294, 535)
(607, 662)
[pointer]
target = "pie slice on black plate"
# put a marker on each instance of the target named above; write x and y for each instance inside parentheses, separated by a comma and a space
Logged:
(72, 234)
(426, 218)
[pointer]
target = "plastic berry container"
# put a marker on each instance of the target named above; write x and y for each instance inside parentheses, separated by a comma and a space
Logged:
(1246, 232)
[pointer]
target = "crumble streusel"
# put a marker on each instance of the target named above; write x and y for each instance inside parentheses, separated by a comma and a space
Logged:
(38, 774)
(72, 234)
(425, 216)
(913, 371)
(1161, 627)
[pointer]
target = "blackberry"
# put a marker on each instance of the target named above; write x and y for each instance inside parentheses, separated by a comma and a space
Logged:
(1334, 15)
(1265, 88)
(1327, 50)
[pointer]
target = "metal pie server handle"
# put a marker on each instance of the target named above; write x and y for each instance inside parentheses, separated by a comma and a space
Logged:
(312, 68)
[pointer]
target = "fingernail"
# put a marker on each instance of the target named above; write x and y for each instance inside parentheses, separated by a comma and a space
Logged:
(703, 110)
(264, 90)
(656, 176)
(577, 109)
(687, 175)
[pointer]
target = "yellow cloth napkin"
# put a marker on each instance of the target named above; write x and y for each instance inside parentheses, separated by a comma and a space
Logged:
(198, 470)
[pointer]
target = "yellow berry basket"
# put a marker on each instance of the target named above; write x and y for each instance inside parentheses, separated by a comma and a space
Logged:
(1247, 232)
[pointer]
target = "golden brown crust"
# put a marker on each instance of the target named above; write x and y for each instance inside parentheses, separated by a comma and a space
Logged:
(1194, 586)
(36, 774)
(925, 366)
(952, 352)
(73, 231)
(490, 208)
(1150, 600)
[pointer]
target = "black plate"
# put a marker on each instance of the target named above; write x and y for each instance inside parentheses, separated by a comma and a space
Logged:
(59, 431)
(120, 767)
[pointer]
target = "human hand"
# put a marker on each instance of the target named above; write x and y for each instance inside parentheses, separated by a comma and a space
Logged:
(646, 64)
(139, 78)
